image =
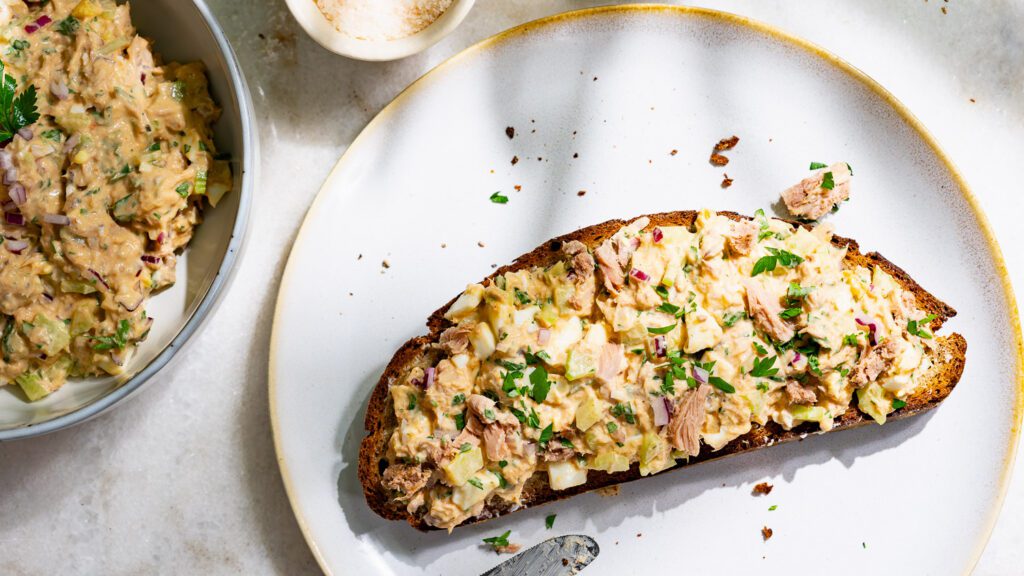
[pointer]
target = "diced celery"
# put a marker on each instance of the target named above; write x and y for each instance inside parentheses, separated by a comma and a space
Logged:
(57, 337)
(872, 401)
(579, 364)
(32, 385)
(589, 412)
(610, 462)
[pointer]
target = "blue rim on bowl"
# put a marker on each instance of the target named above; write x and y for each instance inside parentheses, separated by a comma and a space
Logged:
(241, 100)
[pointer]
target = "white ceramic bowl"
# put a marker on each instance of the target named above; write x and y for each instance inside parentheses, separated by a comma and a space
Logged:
(323, 31)
(182, 31)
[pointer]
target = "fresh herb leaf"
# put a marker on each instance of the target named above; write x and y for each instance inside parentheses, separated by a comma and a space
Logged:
(850, 168)
(852, 339)
(763, 387)
(502, 463)
(791, 312)
(763, 367)
(612, 427)
(68, 26)
(773, 508)
(121, 174)
(897, 403)
(460, 421)
(118, 340)
(512, 366)
(178, 90)
(498, 541)
(17, 48)
(182, 189)
(545, 435)
(533, 420)
(466, 447)
(412, 402)
(796, 292)
(540, 356)
(917, 327)
(16, 112)
(476, 483)
(624, 411)
(721, 384)
(662, 291)
(761, 351)
(522, 296)
(502, 483)
(787, 259)
(668, 384)
(827, 182)
(567, 443)
(670, 309)
(662, 330)
(812, 363)
(764, 264)
(817, 166)
(499, 198)
(549, 521)
(458, 399)
(732, 318)
(541, 384)
(53, 135)
(5, 339)
(508, 382)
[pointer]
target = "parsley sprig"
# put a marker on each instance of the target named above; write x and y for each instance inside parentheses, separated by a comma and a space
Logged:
(498, 541)
(118, 340)
(917, 327)
(16, 112)
(775, 257)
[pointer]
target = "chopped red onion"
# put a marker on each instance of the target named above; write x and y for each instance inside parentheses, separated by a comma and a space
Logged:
(152, 259)
(639, 275)
(26, 133)
(48, 297)
(17, 193)
(659, 346)
(16, 246)
(143, 77)
(6, 160)
(543, 335)
(59, 88)
(660, 407)
(58, 219)
(657, 235)
(871, 330)
(39, 23)
(10, 176)
(430, 377)
(14, 218)
(796, 357)
(699, 374)
(99, 278)
(160, 238)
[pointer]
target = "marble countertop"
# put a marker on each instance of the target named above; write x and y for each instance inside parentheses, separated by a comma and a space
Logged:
(183, 478)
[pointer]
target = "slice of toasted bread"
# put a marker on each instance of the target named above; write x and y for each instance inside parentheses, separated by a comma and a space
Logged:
(947, 368)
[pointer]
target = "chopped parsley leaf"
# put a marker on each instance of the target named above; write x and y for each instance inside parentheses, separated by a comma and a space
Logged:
(917, 327)
(522, 296)
(763, 367)
(498, 541)
(541, 384)
(412, 402)
(15, 112)
(812, 363)
(773, 508)
(502, 483)
(662, 291)
(827, 182)
(791, 312)
(499, 198)
(775, 257)
(761, 351)
(182, 189)
(54, 135)
(460, 421)
(466, 447)
(545, 435)
(119, 340)
(721, 384)
(624, 411)
(458, 399)
(662, 330)
(567, 443)
(897, 404)
(732, 318)
(549, 521)
(68, 26)
(476, 483)
(817, 166)
(612, 427)
(763, 387)
(851, 339)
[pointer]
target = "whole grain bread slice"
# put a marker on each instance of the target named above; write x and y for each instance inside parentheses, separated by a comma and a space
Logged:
(948, 365)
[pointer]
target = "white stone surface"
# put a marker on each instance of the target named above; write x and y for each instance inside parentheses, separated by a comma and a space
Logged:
(183, 479)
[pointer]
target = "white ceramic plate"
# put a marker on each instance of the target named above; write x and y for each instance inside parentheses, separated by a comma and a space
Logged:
(181, 31)
(622, 88)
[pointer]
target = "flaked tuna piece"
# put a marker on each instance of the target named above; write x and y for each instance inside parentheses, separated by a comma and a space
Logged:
(817, 194)
(405, 478)
(764, 309)
(455, 340)
(740, 240)
(557, 452)
(684, 428)
(494, 442)
(800, 395)
(581, 271)
(613, 255)
(877, 361)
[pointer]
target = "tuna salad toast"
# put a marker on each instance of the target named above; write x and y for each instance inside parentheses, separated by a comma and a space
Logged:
(628, 348)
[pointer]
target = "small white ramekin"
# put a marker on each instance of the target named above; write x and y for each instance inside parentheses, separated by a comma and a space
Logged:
(323, 31)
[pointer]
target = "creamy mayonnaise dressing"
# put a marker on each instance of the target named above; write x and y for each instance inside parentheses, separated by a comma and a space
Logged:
(103, 190)
(662, 340)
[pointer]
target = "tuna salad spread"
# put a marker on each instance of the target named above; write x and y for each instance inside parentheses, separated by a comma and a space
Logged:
(107, 160)
(660, 341)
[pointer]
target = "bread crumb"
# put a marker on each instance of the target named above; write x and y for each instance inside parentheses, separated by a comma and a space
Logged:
(766, 533)
(727, 143)
(565, 561)
(480, 243)
(515, 160)
(581, 193)
(673, 152)
(718, 160)
(763, 488)
(510, 131)
(360, 257)
(518, 188)
(726, 181)
(608, 491)
(944, 10)
(575, 154)
(972, 100)
(443, 245)
(639, 534)
(385, 264)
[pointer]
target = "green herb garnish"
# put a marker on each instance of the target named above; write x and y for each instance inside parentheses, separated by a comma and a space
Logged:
(917, 327)
(791, 312)
(624, 411)
(721, 384)
(15, 112)
(545, 436)
(827, 182)
(817, 166)
(549, 521)
(499, 198)
(732, 318)
(182, 189)
(897, 403)
(68, 26)
(522, 296)
(541, 384)
(412, 402)
(119, 340)
(763, 367)
(662, 330)
(466, 447)
(476, 483)
(498, 541)
(777, 256)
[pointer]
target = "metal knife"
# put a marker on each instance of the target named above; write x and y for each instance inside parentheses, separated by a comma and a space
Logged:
(560, 556)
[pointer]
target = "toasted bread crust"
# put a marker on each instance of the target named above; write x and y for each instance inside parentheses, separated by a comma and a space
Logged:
(380, 417)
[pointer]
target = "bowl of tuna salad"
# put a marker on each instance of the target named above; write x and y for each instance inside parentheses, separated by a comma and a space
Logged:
(127, 150)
